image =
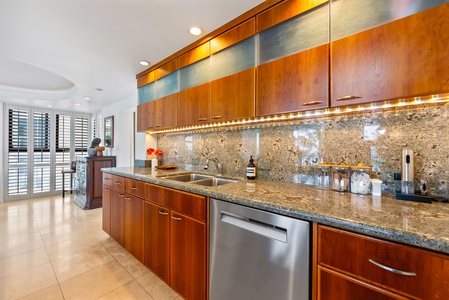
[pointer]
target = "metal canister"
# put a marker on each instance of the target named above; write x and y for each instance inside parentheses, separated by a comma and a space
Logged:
(322, 173)
(340, 180)
(360, 179)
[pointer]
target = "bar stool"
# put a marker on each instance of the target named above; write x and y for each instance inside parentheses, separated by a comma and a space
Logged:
(70, 171)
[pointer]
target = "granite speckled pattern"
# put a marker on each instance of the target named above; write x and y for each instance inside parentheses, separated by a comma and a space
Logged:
(287, 151)
(418, 224)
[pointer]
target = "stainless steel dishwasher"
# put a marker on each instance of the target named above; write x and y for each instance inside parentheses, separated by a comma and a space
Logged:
(257, 255)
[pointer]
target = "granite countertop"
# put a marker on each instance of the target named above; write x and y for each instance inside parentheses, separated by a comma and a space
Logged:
(418, 224)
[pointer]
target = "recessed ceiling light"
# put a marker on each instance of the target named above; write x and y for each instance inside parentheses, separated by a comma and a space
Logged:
(86, 98)
(77, 104)
(144, 63)
(49, 105)
(195, 31)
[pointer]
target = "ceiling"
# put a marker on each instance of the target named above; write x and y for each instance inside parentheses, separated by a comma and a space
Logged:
(56, 53)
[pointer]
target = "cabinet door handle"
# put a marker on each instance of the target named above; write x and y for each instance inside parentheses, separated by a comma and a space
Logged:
(202, 119)
(349, 97)
(149, 127)
(117, 182)
(158, 125)
(312, 103)
(175, 218)
(164, 213)
(216, 117)
(107, 179)
(127, 198)
(133, 188)
(106, 190)
(405, 273)
(121, 195)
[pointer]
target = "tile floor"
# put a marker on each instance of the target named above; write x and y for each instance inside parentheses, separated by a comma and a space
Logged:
(52, 249)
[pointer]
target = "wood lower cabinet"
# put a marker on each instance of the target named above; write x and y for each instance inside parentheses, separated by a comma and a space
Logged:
(134, 226)
(157, 239)
(145, 116)
(193, 105)
(187, 256)
(166, 112)
(372, 264)
(294, 83)
(233, 97)
(106, 213)
(403, 58)
(118, 216)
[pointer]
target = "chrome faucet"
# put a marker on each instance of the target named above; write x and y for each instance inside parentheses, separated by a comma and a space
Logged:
(218, 165)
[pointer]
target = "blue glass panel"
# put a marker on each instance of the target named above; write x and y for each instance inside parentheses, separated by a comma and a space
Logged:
(194, 74)
(147, 93)
(167, 85)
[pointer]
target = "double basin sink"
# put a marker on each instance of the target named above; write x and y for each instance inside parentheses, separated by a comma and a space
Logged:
(200, 179)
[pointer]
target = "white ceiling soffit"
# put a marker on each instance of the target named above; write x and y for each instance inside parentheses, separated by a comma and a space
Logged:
(56, 52)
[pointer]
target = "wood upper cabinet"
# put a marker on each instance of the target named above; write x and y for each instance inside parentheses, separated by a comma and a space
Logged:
(283, 11)
(194, 55)
(145, 79)
(188, 255)
(134, 226)
(233, 96)
(193, 105)
(294, 83)
(145, 116)
(106, 212)
(378, 264)
(166, 112)
(403, 58)
(166, 69)
(118, 216)
(233, 36)
(157, 240)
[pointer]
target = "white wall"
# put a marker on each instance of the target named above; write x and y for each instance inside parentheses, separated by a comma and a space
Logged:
(2, 144)
(124, 132)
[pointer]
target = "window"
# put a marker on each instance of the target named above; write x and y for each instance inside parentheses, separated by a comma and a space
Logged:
(40, 145)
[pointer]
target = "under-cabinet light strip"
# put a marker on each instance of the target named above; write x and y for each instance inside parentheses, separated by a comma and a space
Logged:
(313, 114)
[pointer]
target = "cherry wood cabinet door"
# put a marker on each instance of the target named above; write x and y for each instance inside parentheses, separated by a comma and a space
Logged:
(118, 216)
(294, 83)
(166, 112)
(160, 195)
(233, 96)
(106, 223)
(145, 116)
(188, 257)
(193, 105)
(134, 212)
(157, 240)
(403, 58)
(333, 285)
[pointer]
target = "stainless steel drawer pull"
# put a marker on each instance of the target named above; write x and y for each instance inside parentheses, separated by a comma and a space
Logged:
(312, 103)
(350, 97)
(405, 273)
(202, 119)
(107, 179)
(216, 117)
(161, 212)
(149, 127)
(127, 198)
(175, 218)
(158, 125)
(106, 190)
(117, 182)
(133, 188)
(121, 195)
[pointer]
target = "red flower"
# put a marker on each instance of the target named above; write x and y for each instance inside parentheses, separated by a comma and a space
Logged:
(150, 151)
(158, 153)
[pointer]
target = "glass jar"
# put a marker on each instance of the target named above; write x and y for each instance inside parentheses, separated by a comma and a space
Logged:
(322, 173)
(340, 177)
(360, 179)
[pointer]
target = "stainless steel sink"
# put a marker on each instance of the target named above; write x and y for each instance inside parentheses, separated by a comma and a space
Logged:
(189, 177)
(214, 181)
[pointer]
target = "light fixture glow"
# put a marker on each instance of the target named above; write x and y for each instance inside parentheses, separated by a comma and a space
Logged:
(195, 31)
(77, 104)
(144, 63)
(49, 105)
(86, 98)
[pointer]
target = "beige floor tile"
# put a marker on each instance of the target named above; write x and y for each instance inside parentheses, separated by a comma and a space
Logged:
(71, 247)
(23, 261)
(81, 262)
(131, 290)
(21, 246)
(51, 293)
(27, 282)
(157, 289)
(133, 266)
(68, 234)
(96, 282)
(116, 250)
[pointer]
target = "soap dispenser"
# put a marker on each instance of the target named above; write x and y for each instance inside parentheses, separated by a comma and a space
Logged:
(251, 169)
(407, 173)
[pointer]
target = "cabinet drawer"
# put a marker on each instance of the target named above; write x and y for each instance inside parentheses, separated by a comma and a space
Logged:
(107, 179)
(135, 187)
(118, 182)
(159, 195)
(413, 272)
(190, 205)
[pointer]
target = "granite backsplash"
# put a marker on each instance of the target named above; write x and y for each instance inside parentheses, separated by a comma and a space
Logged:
(287, 151)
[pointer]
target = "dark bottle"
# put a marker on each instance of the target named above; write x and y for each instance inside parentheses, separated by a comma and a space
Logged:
(251, 169)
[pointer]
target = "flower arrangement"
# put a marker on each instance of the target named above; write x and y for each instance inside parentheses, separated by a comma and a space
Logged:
(154, 152)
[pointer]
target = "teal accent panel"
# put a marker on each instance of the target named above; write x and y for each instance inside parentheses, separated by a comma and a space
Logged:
(167, 85)
(234, 59)
(147, 93)
(194, 74)
(308, 30)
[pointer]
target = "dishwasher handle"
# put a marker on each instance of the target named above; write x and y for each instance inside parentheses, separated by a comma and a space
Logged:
(264, 229)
